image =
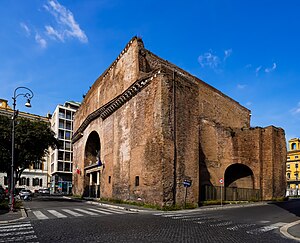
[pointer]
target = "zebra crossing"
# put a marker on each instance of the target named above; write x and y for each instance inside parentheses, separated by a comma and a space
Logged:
(45, 214)
(209, 220)
(17, 232)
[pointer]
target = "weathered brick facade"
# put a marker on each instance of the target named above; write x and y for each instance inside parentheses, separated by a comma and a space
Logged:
(158, 125)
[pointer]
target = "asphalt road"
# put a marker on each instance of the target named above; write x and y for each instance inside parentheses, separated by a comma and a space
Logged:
(60, 220)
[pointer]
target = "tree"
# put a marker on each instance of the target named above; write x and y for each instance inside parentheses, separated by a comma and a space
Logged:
(32, 140)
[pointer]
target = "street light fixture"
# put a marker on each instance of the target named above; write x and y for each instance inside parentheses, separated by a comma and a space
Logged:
(28, 94)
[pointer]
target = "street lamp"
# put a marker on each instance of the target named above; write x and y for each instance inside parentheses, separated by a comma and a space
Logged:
(28, 94)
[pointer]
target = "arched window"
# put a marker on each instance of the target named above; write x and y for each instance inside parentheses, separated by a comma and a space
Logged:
(294, 147)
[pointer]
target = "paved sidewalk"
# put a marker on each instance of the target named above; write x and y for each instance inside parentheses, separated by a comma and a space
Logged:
(7, 216)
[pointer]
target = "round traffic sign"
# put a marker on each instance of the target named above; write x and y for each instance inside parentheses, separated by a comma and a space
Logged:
(221, 181)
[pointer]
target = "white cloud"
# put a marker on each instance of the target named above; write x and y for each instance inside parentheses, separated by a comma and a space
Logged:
(257, 70)
(42, 42)
(209, 59)
(25, 28)
(296, 110)
(241, 86)
(66, 27)
(227, 53)
(55, 34)
(271, 69)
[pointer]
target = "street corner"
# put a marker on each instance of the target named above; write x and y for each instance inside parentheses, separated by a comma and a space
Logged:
(291, 230)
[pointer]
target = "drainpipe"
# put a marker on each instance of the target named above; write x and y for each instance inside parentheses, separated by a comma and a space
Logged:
(174, 140)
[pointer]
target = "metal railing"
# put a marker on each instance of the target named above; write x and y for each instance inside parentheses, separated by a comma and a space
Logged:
(209, 193)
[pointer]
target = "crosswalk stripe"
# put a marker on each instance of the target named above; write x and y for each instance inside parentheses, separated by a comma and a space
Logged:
(15, 229)
(15, 226)
(85, 211)
(40, 215)
(116, 211)
(72, 212)
(57, 214)
(17, 233)
(15, 239)
(99, 211)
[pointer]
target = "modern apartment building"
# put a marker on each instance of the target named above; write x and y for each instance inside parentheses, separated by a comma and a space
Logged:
(292, 167)
(36, 176)
(61, 166)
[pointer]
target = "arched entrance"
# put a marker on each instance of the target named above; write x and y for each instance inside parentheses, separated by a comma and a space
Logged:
(239, 183)
(92, 166)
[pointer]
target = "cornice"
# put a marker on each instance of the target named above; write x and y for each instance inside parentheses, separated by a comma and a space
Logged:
(109, 108)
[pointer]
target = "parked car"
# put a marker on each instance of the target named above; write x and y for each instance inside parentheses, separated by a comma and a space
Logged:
(25, 192)
(44, 191)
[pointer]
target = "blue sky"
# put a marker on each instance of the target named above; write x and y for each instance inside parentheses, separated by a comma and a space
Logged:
(249, 50)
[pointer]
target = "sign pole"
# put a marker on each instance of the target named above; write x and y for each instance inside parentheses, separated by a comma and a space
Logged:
(221, 182)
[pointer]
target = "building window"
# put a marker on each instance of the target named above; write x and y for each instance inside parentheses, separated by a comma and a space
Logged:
(67, 156)
(296, 166)
(288, 175)
(60, 155)
(296, 156)
(67, 167)
(68, 135)
(41, 182)
(293, 146)
(288, 166)
(61, 124)
(68, 116)
(35, 181)
(61, 113)
(61, 134)
(22, 181)
(137, 181)
(67, 146)
(60, 166)
(109, 179)
(37, 165)
(68, 125)
(288, 157)
(27, 182)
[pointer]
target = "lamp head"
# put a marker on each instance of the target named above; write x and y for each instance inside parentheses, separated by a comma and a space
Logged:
(27, 104)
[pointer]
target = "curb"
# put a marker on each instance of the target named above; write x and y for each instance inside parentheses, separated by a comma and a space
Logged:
(24, 215)
(284, 230)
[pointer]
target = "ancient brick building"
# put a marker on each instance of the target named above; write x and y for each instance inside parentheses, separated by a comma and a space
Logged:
(146, 126)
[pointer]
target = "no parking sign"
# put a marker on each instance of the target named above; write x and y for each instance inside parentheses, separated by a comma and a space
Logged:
(221, 181)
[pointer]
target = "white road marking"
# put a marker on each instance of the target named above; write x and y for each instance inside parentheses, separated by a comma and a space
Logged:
(265, 228)
(72, 212)
(99, 211)
(57, 214)
(85, 211)
(40, 215)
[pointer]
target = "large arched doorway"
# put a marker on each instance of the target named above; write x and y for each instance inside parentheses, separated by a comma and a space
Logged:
(239, 183)
(92, 166)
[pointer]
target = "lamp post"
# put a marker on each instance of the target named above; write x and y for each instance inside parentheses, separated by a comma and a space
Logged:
(28, 94)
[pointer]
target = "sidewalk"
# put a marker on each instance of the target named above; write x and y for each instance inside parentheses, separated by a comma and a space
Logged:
(291, 230)
(8, 217)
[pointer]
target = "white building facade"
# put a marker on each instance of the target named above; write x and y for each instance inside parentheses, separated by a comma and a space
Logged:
(36, 176)
(61, 165)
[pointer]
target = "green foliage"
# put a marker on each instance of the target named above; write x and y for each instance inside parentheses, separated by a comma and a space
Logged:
(32, 139)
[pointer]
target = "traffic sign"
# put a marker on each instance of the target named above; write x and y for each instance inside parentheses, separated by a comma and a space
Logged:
(221, 181)
(187, 183)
